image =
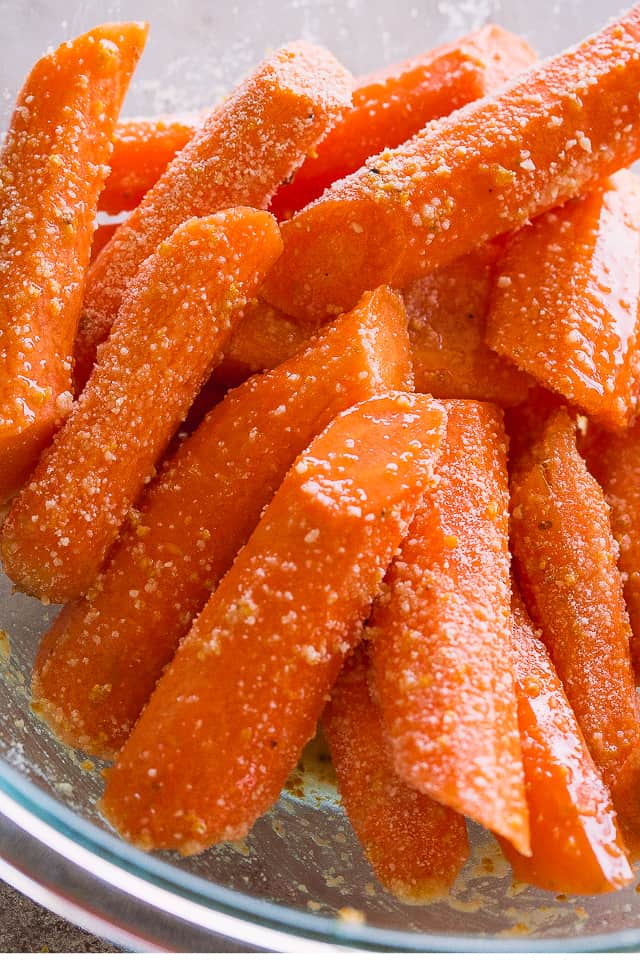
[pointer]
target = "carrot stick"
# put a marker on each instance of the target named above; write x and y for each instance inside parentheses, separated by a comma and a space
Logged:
(441, 647)
(244, 692)
(101, 236)
(447, 313)
(391, 105)
(169, 333)
(100, 661)
(565, 304)
(566, 561)
(240, 154)
(575, 843)
(625, 791)
(143, 148)
(526, 422)
(415, 846)
(52, 168)
(550, 135)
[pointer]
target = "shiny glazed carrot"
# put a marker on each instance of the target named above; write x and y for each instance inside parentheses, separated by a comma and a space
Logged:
(103, 656)
(169, 332)
(415, 845)
(52, 168)
(549, 135)
(440, 635)
(245, 690)
(575, 844)
(143, 148)
(240, 154)
(565, 307)
(566, 561)
(447, 313)
(391, 105)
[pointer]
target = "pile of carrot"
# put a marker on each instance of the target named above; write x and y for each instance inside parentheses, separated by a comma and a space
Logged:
(337, 426)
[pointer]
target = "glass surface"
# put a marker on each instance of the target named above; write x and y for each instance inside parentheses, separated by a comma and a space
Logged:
(301, 866)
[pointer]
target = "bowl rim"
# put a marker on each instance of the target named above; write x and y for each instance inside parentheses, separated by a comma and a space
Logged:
(211, 907)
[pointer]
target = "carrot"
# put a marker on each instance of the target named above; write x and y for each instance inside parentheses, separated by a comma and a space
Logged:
(415, 846)
(565, 304)
(447, 313)
(240, 154)
(441, 647)
(100, 661)
(391, 105)
(52, 168)
(490, 166)
(566, 561)
(625, 791)
(143, 148)
(526, 422)
(170, 330)
(575, 843)
(227, 721)
(101, 236)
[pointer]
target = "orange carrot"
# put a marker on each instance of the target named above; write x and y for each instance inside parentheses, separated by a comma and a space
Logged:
(101, 236)
(566, 561)
(245, 690)
(566, 302)
(447, 313)
(548, 136)
(143, 148)
(625, 791)
(52, 168)
(526, 422)
(574, 836)
(415, 846)
(240, 154)
(100, 661)
(441, 647)
(169, 333)
(391, 105)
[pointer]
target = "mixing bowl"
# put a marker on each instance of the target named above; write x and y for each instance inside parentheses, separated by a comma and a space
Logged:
(300, 879)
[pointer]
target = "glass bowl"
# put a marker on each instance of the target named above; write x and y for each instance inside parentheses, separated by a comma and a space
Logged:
(300, 879)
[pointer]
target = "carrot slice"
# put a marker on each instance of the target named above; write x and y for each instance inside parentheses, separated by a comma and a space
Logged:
(447, 313)
(100, 661)
(625, 790)
(566, 302)
(415, 845)
(169, 333)
(143, 148)
(441, 647)
(240, 154)
(244, 692)
(51, 172)
(566, 561)
(389, 106)
(548, 136)
(575, 843)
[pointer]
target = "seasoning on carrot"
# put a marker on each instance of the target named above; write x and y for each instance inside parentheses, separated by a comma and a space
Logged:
(566, 561)
(170, 330)
(245, 690)
(414, 844)
(487, 168)
(102, 658)
(575, 844)
(241, 153)
(440, 635)
(391, 105)
(52, 168)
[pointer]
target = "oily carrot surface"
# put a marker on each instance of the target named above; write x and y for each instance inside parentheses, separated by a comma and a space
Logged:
(447, 313)
(440, 635)
(52, 167)
(243, 694)
(565, 306)
(170, 331)
(549, 135)
(143, 148)
(391, 105)
(575, 844)
(240, 154)
(566, 561)
(101, 659)
(415, 845)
